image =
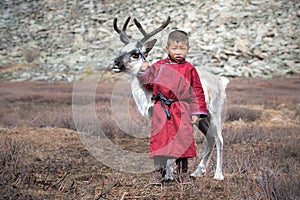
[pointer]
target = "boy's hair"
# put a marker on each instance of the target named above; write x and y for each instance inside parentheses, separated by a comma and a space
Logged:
(178, 36)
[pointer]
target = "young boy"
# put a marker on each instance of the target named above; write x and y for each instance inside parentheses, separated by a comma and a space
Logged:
(179, 102)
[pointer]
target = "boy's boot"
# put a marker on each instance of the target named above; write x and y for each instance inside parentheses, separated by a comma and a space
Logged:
(182, 169)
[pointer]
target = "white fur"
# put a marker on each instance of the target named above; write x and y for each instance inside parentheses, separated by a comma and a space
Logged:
(214, 90)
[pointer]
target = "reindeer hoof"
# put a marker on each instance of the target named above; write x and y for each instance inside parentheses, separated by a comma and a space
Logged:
(168, 180)
(198, 172)
(195, 174)
(219, 177)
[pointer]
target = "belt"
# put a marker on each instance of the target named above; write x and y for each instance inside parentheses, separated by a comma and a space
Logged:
(164, 101)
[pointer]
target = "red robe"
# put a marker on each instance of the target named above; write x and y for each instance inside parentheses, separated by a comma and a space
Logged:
(178, 81)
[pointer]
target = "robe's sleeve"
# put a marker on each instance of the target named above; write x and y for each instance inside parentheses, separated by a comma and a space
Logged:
(197, 104)
(146, 78)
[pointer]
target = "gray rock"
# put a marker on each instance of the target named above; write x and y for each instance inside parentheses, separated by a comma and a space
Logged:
(232, 38)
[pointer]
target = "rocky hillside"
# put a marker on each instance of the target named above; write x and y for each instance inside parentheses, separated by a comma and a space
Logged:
(70, 39)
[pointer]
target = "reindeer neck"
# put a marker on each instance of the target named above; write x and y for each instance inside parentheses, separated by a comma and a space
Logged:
(141, 96)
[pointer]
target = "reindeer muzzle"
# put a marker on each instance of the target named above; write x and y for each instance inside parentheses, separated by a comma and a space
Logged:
(116, 69)
(117, 66)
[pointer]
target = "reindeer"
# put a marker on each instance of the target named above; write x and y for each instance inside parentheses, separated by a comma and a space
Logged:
(130, 60)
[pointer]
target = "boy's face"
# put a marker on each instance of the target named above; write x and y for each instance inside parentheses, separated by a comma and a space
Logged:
(177, 50)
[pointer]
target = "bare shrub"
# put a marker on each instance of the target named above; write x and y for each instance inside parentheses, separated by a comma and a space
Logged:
(52, 118)
(36, 105)
(15, 169)
(244, 133)
(262, 159)
(10, 119)
(271, 185)
(234, 113)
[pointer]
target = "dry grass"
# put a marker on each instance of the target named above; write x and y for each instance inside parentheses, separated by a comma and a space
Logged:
(42, 157)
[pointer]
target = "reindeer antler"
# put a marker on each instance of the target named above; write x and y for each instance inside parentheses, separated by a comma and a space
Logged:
(126, 39)
(155, 31)
(123, 37)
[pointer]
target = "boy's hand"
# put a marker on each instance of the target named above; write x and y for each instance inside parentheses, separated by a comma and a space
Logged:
(144, 66)
(195, 119)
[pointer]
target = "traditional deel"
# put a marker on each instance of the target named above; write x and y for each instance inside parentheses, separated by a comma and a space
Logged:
(171, 128)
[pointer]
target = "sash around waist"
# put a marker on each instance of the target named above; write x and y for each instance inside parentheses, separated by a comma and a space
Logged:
(165, 101)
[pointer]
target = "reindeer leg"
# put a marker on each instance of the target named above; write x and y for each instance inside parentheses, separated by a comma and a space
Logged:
(204, 126)
(219, 146)
(201, 169)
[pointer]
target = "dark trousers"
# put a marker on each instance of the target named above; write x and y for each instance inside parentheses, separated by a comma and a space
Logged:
(182, 164)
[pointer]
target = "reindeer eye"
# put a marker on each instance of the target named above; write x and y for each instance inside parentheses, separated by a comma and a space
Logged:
(135, 56)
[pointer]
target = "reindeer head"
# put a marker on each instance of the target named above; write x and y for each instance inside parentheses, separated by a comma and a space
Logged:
(134, 52)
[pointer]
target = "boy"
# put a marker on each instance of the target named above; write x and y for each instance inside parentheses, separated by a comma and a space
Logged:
(179, 102)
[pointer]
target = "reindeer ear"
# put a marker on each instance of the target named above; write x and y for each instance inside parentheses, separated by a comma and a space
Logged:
(149, 45)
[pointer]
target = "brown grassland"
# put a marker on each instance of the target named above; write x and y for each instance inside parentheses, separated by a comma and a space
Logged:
(42, 156)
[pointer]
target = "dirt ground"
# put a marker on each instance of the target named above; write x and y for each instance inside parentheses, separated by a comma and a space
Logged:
(42, 156)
